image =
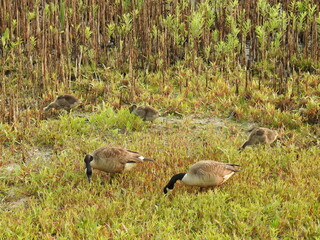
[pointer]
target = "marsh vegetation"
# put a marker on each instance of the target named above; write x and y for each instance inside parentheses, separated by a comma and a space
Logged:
(213, 69)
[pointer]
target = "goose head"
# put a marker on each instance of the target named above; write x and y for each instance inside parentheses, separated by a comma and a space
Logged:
(132, 108)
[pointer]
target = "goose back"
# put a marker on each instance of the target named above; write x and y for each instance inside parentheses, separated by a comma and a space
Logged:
(114, 159)
(63, 102)
(147, 113)
(66, 100)
(260, 135)
(263, 135)
(209, 173)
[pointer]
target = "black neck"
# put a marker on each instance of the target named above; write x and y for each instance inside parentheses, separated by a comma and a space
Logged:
(88, 171)
(87, 161)
(244, 145)
(88, 167)
(172, 181)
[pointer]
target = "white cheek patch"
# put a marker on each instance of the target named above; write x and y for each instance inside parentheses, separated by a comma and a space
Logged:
(141, 157)
(169, 191)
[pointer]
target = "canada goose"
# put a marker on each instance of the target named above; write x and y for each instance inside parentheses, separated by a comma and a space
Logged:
(63, 102)
(112, 160)
(260, 135)
(147, 113)
(205, 173)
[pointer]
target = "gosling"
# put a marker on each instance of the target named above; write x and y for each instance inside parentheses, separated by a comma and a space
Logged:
(112, 160)
(65, 102)
(206, 173)
(260, 135)
(147, 113)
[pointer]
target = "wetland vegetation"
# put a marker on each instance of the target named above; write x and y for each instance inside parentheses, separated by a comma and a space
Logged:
(213, 69)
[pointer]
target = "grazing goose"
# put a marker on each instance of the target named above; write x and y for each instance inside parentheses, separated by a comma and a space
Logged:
(112, 160)
(206, 173)
(147, 113)
(260, 135)
(65, 102)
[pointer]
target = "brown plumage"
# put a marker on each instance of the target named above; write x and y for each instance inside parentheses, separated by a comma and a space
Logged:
(65, 102)
(261, 135)
(147, 113)
(206, 173)
(112, 160)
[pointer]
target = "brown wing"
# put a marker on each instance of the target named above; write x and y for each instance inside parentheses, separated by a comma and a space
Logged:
(206, 170)
(212, 169)
(62, 103)
(140, 111)
(113, 159)
(259, 132)
(131, 156)
(118, 154)
(67, 99)
(150, 110)
(132, 151)
(272, 135)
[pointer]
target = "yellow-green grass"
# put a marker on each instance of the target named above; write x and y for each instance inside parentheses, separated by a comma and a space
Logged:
(46, 195)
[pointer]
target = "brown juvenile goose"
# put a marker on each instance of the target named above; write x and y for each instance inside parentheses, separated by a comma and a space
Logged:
(206, 173)
(112, 160)
(147, 113)
(260, 135)
(63, 102)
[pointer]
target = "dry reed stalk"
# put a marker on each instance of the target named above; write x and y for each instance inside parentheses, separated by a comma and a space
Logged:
(61, 44)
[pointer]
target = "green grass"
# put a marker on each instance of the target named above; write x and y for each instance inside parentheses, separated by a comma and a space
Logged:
(276, 195)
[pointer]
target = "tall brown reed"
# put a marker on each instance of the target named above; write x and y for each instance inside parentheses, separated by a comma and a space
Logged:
(49, 46)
